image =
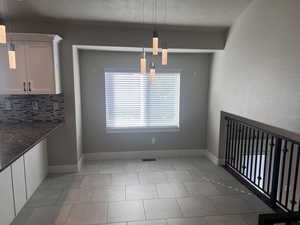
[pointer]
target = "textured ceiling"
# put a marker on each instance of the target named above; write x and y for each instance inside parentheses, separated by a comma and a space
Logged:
(177, 12)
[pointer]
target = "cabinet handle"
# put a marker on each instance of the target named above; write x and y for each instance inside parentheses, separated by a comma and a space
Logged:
(29, 86)
(24, 85)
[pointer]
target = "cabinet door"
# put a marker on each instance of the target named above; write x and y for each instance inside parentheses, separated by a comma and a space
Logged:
(7, 212)
(19, 184)
(40, 68)
(13, 80)
(36, 166)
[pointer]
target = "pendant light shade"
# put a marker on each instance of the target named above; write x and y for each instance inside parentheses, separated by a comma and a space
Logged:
(12, 57)
(143, 63)
(2, 32)
(164, 55)
(155, 43)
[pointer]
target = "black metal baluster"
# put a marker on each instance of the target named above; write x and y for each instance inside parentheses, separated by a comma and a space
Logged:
(296, 179)
(227, 140)
(256, 152)
(252, 151)
(283, 169)
(238, 148)
(270, 162)
(231, 142)
(275, 174)
(248, 150)
(245, 149)
(235, 145)
(265, 163)
(289, 176)
(259, 178)
(242, 149)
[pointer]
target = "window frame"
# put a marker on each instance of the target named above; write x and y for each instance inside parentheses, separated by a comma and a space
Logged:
(154, 129)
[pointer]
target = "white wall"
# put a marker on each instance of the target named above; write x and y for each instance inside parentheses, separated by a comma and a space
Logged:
(258, 75)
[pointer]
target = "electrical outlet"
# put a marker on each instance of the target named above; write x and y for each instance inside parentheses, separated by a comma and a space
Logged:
(35, 106)
(153, 140)
(55, 106)
(8, 105)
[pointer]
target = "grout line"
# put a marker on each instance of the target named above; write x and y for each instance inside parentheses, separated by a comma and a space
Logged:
(125, 188)
(180, 209)
(145, 215)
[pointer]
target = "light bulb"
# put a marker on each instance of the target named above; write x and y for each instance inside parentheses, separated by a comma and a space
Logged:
(152, 75)
(152, 72)
(152, 68)
(155, 43)
(12, 57)
(164, 56)
(2, 33)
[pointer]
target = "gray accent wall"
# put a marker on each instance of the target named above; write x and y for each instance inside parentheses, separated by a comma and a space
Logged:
(258, 74)
(195, 70)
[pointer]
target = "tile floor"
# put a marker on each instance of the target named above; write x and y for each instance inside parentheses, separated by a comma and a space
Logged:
(170, 191)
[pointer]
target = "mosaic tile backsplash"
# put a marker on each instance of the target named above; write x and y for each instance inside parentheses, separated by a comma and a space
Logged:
(31, 108)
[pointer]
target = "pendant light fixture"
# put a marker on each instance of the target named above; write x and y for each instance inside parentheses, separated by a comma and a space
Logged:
(155, 43)
(155, 36)
(164, 55)
(2, 32)
(143, 60)
(3, 40)
(143, 63)
(12, 56)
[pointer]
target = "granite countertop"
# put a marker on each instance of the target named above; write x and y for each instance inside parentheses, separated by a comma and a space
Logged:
(17, 138)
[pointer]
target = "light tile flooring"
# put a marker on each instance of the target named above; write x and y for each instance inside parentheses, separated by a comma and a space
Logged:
(172, 191)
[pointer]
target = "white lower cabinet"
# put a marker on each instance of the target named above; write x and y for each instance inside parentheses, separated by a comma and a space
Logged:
(7, 211)
(20, 180)
(36, 166)
(19, 184)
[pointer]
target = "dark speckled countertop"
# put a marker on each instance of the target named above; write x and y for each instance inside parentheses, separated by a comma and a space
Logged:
(17, 138)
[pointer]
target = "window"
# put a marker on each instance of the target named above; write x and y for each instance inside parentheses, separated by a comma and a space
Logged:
(133, 101)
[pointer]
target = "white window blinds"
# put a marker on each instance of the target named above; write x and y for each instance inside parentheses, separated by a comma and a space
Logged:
(133, 101)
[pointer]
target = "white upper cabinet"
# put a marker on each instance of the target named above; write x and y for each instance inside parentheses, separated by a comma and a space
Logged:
(14, 81)
(37, 61)
(40, 68)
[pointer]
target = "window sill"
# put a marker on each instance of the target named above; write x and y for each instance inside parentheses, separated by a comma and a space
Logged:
(142, 130)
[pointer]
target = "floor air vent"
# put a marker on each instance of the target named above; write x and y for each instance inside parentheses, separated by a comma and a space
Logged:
(149, 160)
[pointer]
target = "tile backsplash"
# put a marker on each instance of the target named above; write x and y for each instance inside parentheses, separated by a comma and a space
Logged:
(31, 108)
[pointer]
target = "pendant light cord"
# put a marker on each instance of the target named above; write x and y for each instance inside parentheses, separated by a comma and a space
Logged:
(153, 8)
(4, 9)
(166, 11)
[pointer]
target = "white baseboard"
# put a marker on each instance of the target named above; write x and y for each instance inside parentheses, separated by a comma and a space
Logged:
(73, 168)
(145, 154)
(214, 159)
